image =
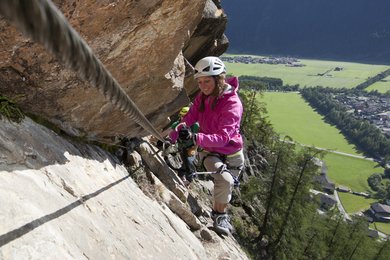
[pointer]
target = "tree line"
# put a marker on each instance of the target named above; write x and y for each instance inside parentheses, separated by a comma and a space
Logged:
(374, 79)
(381, 188)
(365, 135)
(265, 83)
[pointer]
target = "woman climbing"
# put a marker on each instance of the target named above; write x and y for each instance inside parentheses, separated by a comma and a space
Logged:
(218, 111)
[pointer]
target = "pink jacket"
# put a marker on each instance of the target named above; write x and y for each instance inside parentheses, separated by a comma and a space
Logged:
(219, 128)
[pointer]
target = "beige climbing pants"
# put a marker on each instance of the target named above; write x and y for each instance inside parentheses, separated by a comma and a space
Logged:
(223, 182)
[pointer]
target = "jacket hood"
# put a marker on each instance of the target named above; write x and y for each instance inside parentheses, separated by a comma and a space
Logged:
(233, 81)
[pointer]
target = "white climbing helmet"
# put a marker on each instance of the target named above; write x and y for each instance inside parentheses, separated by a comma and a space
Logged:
(209, 66)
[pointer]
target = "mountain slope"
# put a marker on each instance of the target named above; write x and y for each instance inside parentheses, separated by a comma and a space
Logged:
(355, 30)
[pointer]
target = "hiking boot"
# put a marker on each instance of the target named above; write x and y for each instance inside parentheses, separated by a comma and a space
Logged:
(222, 224)
(214, 215)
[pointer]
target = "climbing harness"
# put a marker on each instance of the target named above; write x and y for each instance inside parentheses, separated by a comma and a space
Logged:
(44, 23)
(176, 159)
(224, 168)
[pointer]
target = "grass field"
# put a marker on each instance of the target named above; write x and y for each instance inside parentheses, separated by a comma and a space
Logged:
(353, 203)
(383, 227)
(292, 116)
(350, 172)
(382, 86)
(350, 76)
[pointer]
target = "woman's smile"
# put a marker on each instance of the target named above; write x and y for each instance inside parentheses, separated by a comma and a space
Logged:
(206, 85)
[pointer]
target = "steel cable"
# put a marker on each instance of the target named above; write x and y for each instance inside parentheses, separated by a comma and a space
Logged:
(44, 23)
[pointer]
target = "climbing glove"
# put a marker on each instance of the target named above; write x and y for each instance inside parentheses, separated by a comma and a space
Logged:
(185, 134)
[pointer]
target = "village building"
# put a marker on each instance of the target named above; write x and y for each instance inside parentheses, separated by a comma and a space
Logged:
(374, 109)
(323, 180)
(343, 189)
(327, 201)
(380, 212)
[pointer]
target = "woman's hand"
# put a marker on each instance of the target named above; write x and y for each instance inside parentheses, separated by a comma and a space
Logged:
(185, 134)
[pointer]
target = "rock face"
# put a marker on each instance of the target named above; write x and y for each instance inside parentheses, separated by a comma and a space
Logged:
(62, 199)
(65, 200)
(207, 40)
(140, 42)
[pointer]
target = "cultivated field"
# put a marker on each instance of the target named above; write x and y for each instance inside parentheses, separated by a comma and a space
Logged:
(351, 172)
(292, 116)
(350, 76)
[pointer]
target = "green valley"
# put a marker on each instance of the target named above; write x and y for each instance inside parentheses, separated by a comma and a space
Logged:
(313, 73)
(292, 116)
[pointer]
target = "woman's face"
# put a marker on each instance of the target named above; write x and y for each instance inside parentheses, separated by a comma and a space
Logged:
(206, 85)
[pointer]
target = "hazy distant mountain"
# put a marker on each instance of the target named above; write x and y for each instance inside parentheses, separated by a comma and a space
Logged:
(356, 30)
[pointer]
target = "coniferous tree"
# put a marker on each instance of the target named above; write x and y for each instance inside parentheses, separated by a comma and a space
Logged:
(255, 126)
(300, 185)
(384, 251)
